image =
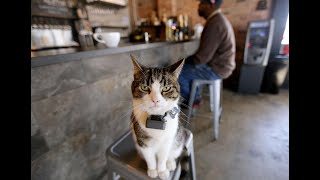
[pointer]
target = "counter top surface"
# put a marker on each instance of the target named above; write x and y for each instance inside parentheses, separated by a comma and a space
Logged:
(97, 51)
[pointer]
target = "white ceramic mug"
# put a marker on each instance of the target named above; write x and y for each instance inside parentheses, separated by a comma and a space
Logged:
(111, 39)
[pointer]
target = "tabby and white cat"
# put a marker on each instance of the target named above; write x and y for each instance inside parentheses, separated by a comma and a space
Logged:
(155, 91)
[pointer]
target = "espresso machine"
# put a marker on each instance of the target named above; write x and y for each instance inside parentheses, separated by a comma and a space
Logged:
(256, 55)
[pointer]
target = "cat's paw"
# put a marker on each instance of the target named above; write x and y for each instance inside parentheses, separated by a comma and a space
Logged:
(171, 165)
(153, 173)
(164, 174)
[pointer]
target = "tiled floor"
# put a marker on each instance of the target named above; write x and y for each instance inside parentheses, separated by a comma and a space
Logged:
(253, 142)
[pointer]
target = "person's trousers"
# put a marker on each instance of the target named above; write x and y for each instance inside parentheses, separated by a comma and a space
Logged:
(191, 72)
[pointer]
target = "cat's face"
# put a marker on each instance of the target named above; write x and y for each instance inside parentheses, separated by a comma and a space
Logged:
(155, 90)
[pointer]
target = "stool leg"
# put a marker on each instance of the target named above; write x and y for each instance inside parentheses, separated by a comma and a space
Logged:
(221, 98)
(211, 97)
(200, 89)
(191, 99)
(192, 163)
(115, 176)
(216, 106)
(221, 94)
(111, 175)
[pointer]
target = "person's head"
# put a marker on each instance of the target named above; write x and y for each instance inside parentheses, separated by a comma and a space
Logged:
(206, 7)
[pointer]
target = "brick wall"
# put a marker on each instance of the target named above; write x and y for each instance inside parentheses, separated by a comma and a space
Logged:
(176, 7)
(239, 13)
(145, 7)
(166, 7)
(190, 7)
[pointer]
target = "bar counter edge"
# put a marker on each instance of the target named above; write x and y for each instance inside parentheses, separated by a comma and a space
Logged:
(53, 59)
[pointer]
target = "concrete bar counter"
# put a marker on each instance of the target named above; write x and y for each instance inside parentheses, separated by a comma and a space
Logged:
(81, 103)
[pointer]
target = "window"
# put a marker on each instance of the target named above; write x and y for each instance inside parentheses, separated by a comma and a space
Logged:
(285, 39)
(284, 48)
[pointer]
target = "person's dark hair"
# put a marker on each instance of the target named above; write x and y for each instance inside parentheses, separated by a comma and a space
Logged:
(217, 2)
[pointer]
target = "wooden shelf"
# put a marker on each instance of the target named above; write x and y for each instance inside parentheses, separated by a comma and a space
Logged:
(122, 3)
(53, 47)
(105, 26)
(52, 11)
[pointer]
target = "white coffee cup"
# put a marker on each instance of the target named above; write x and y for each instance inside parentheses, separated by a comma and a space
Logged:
(111, 39)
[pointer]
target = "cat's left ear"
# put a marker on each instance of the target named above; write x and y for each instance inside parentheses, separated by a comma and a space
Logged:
(176, 68)
(137, 67)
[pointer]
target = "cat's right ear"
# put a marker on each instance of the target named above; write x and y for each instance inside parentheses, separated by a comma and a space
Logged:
(137, 67)
(176, 68)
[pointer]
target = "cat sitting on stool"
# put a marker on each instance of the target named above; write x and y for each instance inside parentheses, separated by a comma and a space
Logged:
(155, 92)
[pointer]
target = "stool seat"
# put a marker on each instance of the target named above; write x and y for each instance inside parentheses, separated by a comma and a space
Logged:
(215, 88)
(124, 161)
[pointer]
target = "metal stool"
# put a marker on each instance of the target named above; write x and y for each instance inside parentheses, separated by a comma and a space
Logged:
(215, 92)
(125, 162)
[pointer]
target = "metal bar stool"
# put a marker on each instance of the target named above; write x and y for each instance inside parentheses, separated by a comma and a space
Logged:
(124, 161)
(215, 92)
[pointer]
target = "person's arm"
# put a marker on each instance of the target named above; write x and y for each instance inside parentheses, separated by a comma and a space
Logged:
(210, 40)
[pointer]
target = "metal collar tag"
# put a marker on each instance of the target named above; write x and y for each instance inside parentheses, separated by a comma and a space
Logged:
(158, 121)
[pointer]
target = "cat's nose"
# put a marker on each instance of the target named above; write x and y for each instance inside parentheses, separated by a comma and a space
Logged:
(155, 100)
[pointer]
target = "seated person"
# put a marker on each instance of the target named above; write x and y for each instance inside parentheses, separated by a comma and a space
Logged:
(215, 58)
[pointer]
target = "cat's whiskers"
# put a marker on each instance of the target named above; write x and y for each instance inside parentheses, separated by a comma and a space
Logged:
(121, 105)
(130, 111)
(182, 97)
(127, 101)
(184, 120)
(188, 107)
(185, 105)
(184, 114)
(137, 108)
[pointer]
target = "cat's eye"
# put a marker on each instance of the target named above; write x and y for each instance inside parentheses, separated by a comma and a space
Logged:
(144, 88)
(166, 88)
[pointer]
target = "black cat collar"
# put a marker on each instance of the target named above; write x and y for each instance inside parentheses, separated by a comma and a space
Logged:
(158, 121)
